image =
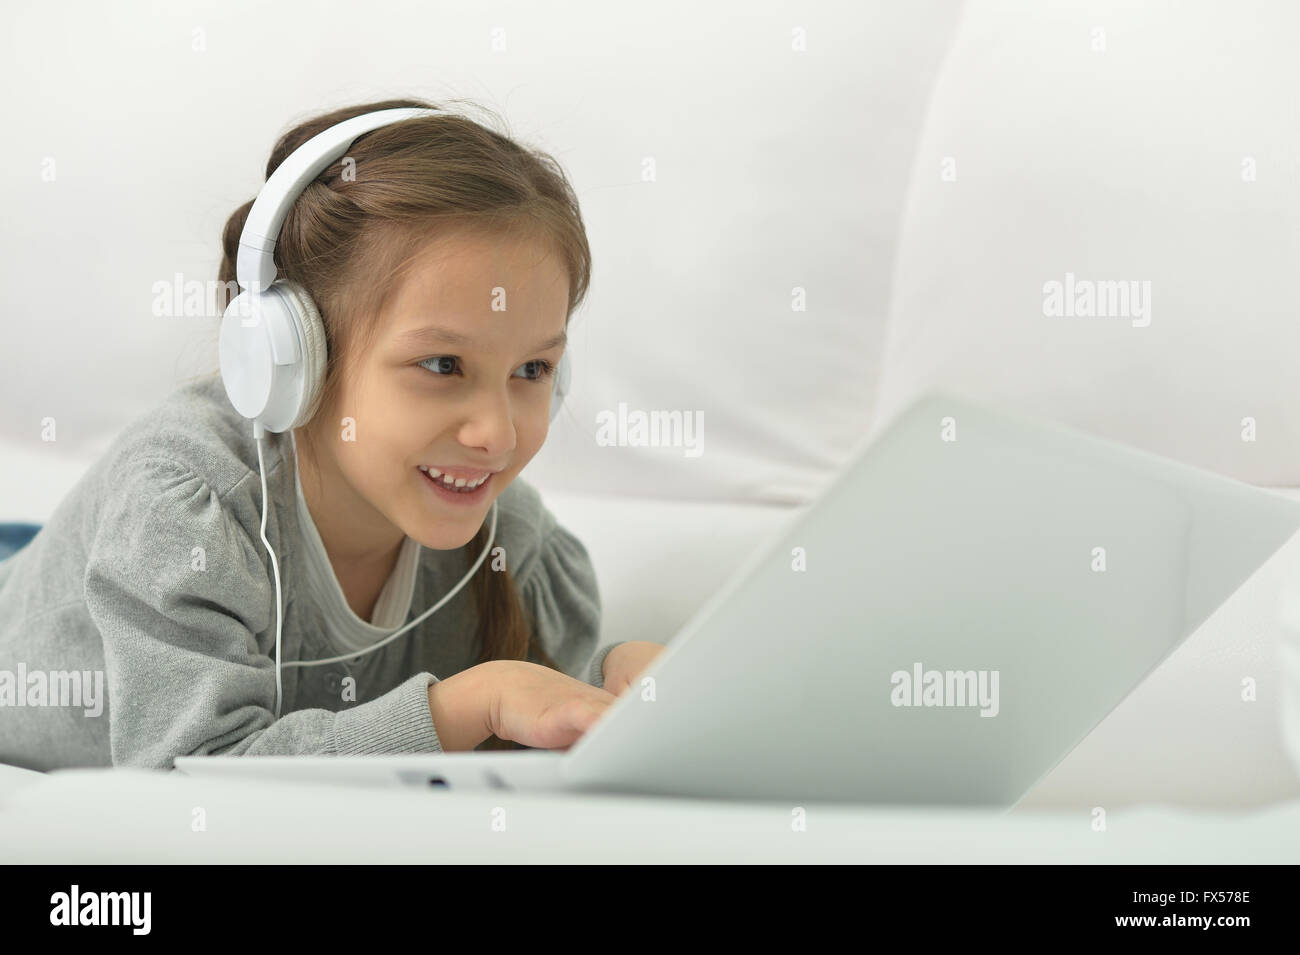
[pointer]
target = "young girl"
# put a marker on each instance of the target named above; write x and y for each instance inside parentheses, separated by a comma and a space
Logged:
(140, 623)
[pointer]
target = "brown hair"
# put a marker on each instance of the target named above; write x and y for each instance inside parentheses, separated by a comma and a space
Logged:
(355, 229)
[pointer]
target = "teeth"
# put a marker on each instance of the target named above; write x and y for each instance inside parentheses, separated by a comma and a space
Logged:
(448, 480)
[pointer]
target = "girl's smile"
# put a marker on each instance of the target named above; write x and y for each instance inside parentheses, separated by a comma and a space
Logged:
(464, 495)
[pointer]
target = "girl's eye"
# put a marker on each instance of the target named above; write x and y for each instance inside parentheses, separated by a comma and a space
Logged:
(441, 361)
(543, 369)
(444, 365)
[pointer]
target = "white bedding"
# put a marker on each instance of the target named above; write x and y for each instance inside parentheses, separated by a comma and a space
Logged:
(103, 816)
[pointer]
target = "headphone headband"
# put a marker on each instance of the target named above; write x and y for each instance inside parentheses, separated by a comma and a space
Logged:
(255, 262)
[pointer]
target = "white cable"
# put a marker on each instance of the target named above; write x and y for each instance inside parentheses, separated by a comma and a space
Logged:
(258, 433)
(492, 534)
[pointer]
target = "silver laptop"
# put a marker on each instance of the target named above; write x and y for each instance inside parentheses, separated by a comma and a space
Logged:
(960, 607)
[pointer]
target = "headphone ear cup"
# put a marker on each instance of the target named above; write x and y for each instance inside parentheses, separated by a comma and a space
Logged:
(315, 353)
(247, 366)
(563, 378)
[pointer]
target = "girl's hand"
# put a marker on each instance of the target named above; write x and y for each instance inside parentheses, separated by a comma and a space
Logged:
(626, 662)
(540, 707)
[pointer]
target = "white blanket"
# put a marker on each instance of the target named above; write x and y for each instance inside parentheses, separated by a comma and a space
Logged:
(136, 816)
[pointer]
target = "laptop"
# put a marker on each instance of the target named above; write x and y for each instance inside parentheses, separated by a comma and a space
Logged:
(959, 608)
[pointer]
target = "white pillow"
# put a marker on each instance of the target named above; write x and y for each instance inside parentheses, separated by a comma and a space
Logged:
(784, 169)
(1090, 147)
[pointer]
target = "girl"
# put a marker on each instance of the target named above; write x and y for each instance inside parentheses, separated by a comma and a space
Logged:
(140, 623)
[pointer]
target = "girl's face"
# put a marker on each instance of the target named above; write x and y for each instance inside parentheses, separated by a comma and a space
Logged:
(458, 379)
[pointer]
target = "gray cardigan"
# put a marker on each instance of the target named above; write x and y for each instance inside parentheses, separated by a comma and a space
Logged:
(150, 582)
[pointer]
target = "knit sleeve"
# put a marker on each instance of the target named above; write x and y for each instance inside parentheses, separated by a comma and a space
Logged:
(561, 591)
(181, 595)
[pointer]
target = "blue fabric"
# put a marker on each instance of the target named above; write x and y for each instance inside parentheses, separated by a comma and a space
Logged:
(14, 537)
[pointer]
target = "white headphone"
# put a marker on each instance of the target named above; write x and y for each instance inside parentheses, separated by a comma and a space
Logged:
(272, 340)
